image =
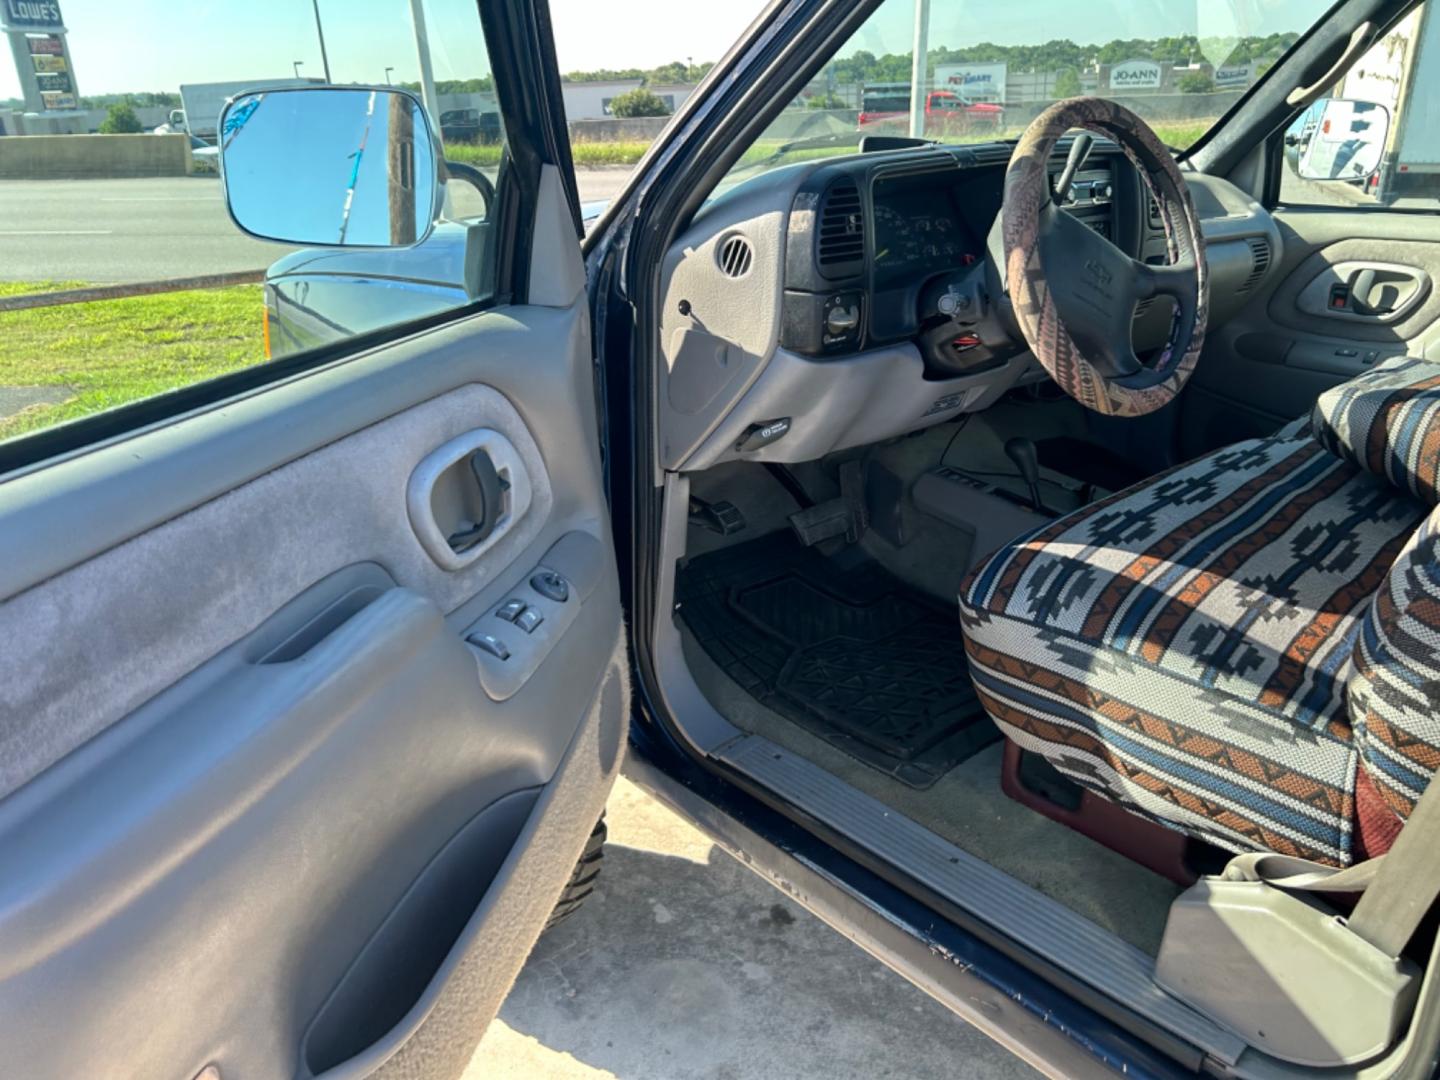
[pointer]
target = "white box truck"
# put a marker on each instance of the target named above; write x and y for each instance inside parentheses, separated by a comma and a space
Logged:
(203, 102)
(1402, 72)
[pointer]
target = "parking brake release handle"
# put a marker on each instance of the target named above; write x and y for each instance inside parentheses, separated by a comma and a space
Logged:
(492, 502)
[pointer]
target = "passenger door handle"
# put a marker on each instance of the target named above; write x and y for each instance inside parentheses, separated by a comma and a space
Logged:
(492, 488)
(1362, 285)
(1356, 290)
(467, 494)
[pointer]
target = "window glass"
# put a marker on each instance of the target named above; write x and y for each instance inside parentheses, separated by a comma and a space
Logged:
(991, 67)
(1374, 139)
(111, 201)
(624, 72)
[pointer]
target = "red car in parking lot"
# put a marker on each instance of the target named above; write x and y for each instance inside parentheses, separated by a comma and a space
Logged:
(886, 108)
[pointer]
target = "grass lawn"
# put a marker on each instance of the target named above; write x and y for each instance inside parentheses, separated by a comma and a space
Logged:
(1179, 133)
(587, 155)
(109, 352)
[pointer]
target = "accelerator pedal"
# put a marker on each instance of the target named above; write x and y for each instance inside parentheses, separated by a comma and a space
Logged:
(846, 516)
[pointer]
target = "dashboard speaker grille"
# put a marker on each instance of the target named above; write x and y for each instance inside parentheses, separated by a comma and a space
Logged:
(1259, 262)
(841, 249)
(735, 257)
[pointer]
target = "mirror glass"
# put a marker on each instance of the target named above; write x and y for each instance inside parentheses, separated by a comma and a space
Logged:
(1338, 139)
(330, 166)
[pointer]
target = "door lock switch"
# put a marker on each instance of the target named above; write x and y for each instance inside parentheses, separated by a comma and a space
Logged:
(551, 585)
(510, 610)
(529, 619)
(489, 643)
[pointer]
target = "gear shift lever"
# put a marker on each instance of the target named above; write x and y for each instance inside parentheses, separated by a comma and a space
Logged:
(1021, 451)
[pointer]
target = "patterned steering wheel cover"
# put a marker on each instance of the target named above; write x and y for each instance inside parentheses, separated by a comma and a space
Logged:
(1027, 190)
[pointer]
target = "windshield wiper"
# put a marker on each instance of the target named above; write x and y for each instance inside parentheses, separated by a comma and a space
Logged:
(863, 142)
(813, 142)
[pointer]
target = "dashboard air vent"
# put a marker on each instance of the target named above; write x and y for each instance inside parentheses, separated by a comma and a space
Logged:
(1259, 262)
(735, 257)
(842, 231)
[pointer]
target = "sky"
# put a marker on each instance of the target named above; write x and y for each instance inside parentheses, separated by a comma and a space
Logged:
(143, 45)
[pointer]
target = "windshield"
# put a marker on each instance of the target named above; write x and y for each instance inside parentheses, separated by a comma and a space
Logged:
(992, 66)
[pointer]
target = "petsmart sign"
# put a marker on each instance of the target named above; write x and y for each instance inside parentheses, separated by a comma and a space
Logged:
(1135, 75)
(974, 82)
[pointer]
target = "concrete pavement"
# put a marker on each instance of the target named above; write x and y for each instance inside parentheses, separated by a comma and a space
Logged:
(106, 231)
(684, 965)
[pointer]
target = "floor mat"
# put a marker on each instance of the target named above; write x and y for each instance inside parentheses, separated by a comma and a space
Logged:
(844, 650)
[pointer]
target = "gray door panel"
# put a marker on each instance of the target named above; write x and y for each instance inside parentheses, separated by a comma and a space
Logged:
(259, 809)
(1268, 364)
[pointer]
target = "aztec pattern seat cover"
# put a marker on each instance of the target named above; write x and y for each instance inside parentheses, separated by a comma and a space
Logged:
(1387, 421)
(1394, 692)
(1184, 647)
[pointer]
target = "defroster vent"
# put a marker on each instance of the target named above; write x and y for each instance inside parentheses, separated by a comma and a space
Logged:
(841, 251)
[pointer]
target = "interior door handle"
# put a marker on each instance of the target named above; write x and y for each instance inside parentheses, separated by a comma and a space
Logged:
(1362, 285)
(466, 495)
(492, 503)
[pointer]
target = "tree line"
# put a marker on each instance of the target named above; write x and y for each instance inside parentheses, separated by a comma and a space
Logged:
(1062, 57)
(1056, 56)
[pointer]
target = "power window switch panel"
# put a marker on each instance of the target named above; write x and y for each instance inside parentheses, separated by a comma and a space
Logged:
(510, 610)
(529, 619)
(489, 643)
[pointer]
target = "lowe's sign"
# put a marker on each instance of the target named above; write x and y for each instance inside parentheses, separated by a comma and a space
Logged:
(30, 15)
(972, 82)
(1135, 75)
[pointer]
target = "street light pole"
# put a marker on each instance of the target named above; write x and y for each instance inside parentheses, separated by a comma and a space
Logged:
(422, 47)
(919, 68)
(388, 70)
(296, 65)
(320, 32)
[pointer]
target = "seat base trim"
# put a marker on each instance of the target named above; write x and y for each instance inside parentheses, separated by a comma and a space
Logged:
(1138, 839)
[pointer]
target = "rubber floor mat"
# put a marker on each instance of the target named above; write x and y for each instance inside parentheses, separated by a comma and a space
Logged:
(845, 650)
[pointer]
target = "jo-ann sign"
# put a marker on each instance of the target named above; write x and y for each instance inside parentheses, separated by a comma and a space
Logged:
(1135, 75)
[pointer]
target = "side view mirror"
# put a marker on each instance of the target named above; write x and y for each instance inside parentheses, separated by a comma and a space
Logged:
(477, 180)
(332, 166)
(1338, 139)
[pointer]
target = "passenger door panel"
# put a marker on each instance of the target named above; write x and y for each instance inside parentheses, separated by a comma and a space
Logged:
(259, 809)
(1291, 343)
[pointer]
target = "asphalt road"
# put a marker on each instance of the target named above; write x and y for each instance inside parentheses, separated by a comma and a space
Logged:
(107, 231)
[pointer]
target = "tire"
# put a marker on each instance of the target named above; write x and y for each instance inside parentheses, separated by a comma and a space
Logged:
(582, 881)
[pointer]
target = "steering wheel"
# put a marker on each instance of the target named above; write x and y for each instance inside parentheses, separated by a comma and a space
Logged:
(1074, 292)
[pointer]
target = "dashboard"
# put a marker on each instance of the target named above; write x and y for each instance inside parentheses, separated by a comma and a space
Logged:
(862, 297)
(917, 231)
